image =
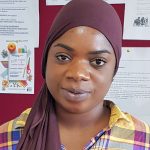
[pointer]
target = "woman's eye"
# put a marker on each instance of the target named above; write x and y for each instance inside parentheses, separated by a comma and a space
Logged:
(63, 58)
(98, 62)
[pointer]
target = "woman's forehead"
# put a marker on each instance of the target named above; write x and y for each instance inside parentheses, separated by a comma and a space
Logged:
(83, 38)
(83, 31)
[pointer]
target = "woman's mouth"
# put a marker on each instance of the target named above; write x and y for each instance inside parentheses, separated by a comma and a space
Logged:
(75, 95)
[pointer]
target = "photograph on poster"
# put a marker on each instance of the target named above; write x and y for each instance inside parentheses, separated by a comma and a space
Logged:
(131, 85)
(137, 20)
(16, 67)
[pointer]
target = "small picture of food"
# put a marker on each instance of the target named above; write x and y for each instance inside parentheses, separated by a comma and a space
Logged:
(5, 84)
(11, 47)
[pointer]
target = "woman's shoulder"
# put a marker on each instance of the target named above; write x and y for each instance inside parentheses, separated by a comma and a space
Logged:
(125, 119)
(128, 130)
(130, 122)
(125, 122)
(140, 125)
(134, 126)
(17, 123)
(11, 131)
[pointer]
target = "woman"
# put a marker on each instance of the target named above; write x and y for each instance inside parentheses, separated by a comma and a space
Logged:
(81, 57)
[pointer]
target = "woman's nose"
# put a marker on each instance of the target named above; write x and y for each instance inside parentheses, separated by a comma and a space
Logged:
(78, 71)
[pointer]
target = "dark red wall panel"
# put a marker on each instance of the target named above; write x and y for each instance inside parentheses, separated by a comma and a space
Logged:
(13, 104)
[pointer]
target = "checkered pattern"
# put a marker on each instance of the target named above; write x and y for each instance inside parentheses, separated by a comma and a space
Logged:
(124, 133)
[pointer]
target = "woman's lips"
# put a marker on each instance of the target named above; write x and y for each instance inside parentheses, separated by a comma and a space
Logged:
(75, 95)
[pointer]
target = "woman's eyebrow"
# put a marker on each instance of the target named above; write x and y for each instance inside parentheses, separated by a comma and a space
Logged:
(64, 46)
(99, 52)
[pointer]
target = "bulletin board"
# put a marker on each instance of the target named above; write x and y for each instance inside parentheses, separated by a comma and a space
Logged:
(11, 105)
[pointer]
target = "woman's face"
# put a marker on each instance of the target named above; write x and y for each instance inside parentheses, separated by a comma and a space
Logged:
(80, 68)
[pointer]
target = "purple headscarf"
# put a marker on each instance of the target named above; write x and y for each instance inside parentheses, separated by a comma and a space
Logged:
(41, 130)
(96, 14)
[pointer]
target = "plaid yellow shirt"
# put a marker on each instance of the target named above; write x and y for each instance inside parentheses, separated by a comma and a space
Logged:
(125, 133)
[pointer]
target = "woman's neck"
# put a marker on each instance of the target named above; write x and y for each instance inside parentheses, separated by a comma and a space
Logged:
(99, 115)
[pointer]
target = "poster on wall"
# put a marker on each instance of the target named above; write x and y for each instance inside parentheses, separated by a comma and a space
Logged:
(131, 86)
(64, 2)
(137, 20)
(19, 20)
(115, 1)
(16, 67)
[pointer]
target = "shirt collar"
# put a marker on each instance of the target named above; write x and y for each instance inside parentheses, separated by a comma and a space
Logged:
(116, 114)
(20, 121)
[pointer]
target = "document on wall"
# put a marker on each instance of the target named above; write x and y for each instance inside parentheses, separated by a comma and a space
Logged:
(16, 67)
(64, 2)
(115, 1)
(137, 20)
(131, 86)
(19, 20)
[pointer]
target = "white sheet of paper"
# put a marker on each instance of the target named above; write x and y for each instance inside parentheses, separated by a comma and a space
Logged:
(19, 20)
(16, 67)
(115, 1)
(131, 86)
(63, 2)
(137, 20)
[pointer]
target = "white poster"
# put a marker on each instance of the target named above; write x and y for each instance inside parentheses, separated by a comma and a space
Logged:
(115, 1)
(19, 20)
(131, 86)
(137, 20)
(64, 2)
(16, 67)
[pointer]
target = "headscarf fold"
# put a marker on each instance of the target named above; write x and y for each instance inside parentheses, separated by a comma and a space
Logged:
(41, 130)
